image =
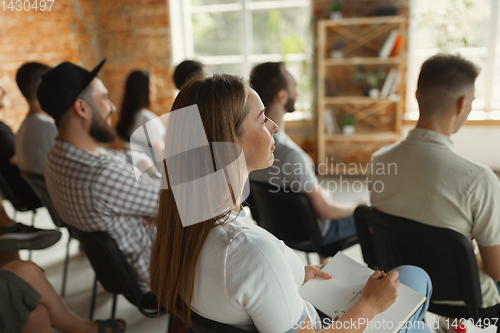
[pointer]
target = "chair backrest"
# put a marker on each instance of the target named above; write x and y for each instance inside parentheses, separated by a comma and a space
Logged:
(447, 256)
(111, 267)
(288, 215)
(23, 199)
(37, 183)
(200, 324)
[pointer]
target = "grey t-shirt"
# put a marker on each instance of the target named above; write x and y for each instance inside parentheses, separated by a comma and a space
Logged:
(34, 140)
(293, 169)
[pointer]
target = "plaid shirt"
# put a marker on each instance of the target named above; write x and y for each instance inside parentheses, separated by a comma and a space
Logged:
(100, 193)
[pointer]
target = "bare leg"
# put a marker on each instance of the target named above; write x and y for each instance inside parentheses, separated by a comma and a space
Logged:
(38, 321)
(4, 219)
(61, 318)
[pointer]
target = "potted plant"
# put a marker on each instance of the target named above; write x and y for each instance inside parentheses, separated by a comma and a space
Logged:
(371, 79)
(348, 124)
(335, 9)
(337, 50)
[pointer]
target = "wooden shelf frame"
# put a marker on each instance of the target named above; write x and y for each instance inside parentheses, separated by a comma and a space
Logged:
(363, 108)
(362, 61)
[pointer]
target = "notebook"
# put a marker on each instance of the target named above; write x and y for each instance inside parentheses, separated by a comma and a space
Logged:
(340, 293)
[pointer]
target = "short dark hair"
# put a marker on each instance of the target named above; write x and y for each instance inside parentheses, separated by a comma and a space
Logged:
(28, 78)
(185, 71)
(267, 79)
(443, 78)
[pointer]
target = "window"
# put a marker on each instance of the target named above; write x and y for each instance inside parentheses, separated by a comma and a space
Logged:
(232, 36)
(468, 27)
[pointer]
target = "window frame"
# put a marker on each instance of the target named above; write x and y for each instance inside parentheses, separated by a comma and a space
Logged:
(485, 115)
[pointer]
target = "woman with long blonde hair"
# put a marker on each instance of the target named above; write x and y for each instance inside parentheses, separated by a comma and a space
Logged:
(228, 269)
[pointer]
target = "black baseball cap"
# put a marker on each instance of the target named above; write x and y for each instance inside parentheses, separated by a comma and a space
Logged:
(62, 85)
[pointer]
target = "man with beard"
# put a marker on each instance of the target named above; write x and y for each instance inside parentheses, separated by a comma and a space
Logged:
(95, 189)
(293, 169)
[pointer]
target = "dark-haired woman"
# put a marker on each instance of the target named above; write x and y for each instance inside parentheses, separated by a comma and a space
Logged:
(140, 90)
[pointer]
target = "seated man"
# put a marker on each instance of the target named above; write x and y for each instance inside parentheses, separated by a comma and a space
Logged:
(292, 167)
(17, 236)
(95, 189)
(432, 184)
(36, 135)
(8, 169)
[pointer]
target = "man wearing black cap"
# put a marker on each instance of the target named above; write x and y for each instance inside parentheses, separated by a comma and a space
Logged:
(95, 189)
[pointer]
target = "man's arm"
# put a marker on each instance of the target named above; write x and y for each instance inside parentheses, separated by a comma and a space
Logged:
(491, 260)
(117, 187)
(326, 208)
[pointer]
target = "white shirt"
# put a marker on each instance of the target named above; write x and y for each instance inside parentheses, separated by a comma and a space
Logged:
(34, 140)
(141, 118)
(247, 278)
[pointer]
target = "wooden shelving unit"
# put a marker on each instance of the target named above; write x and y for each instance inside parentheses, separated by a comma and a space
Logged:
(379, 120)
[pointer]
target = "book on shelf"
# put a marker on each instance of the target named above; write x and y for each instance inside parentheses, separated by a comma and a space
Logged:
(388, 46)
(395, 85)
(397, 45)
(332, 127)
(337, 295)
(389, 83)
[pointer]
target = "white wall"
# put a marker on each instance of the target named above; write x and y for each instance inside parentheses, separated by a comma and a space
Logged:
(479, 143)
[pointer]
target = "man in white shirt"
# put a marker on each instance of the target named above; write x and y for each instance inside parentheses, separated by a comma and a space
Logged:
(432, 184)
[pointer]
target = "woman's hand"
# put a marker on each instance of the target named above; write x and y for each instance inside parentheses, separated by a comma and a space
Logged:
(380, 292)
(315, 270)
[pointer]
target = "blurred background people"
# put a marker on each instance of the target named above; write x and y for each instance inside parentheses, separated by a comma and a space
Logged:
(186, 70)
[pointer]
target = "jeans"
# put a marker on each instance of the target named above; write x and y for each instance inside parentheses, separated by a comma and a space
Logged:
(418, 280)
(340, 229)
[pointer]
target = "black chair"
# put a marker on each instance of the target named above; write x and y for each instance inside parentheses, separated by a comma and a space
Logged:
(200, 324)
(389, 241)
(291, 217)
(114, 272)
(22, 202)
(23, 199)
(37, 183)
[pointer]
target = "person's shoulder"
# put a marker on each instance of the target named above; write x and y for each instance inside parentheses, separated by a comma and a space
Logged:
(4, 128)
(148, 114)
(387, 150)
(251, 240)
(39, 122)
(114, 160)
(475, 170)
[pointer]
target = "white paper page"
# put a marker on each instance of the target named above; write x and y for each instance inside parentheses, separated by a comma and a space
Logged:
(349, 277)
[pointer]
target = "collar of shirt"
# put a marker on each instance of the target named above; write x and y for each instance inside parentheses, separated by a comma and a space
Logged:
(422, 134)
(75, 154)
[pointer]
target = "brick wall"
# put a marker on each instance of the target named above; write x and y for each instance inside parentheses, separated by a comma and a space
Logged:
(131, 34)
(135, 34)
(66, 33)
